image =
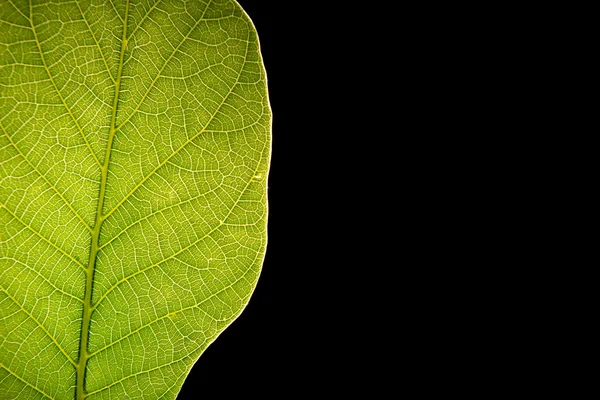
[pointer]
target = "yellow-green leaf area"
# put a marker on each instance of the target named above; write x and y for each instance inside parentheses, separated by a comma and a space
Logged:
(134, 155)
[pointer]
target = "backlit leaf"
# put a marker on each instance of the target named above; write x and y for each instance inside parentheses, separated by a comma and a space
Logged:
(134, 152)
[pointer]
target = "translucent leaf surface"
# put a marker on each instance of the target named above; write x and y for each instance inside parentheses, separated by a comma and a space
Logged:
(134, 151)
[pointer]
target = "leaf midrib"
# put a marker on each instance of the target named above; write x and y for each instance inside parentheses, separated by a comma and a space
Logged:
(84, 355)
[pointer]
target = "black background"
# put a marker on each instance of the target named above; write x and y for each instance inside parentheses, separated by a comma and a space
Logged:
(266, 348)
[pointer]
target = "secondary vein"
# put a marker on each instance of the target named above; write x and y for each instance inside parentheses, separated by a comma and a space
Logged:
(14, 145)
(51, 77)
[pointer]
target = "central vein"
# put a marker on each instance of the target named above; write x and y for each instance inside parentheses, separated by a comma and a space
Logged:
(84, 354)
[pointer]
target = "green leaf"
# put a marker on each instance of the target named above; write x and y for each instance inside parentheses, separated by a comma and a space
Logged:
(134, 152)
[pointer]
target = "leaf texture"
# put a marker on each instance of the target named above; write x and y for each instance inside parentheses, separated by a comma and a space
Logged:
(134, 152)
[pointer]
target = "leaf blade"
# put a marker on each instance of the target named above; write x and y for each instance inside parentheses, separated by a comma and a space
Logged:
(175, 210)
